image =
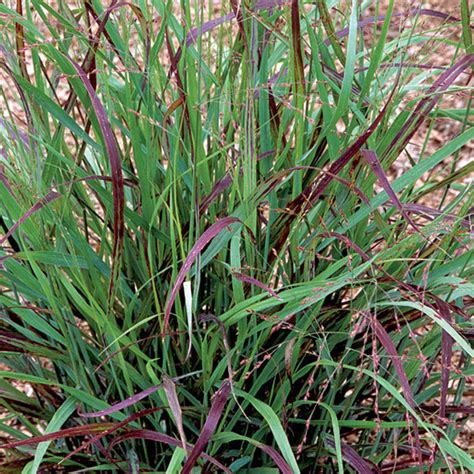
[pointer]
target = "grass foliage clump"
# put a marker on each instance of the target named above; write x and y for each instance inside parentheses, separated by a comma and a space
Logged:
(231, 238)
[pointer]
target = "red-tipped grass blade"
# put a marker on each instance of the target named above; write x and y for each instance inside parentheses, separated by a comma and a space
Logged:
(203, 240)
(123, 404)
(4, 181)
(51, 196)
(314, 190)
(412, 12)
(371, 158)
(115, 427)
(194, 33)
(426, 105)
(113, 155)
(84, 430)
(253, 281)
(361, 465)
(163, 438)
(213, 417)
(170, 390)
(389, 346)
(277, 458)
(446, 359)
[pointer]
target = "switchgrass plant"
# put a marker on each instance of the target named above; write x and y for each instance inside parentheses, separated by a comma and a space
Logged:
(231, 239)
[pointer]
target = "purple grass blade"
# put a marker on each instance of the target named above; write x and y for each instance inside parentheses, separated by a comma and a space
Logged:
(170, 390)
(213, 417)
(379, 19)
(218, 188)
(4, 181)
(419, 292)
(314, 190)
(341, 162)
(51, 196)
(207, 26)
(267, 4)
(439, 302)
(205, 238)
(433, 96)
(115, 427)
(88, 62)
(362, 24)
(404, 65)
(337, 178)
(434, 14)
(124, 403)
(84, 430)
(99, 177)
(460, 409)
(463, 409)
(194, 33)
(204, 317)
(15, 133)
(371, 158)
(296, 45)
(254, 281)
(432, 213)
(277, 458)
(116, 172)
(12, 342)
(446, 359)
(330, 73)
(361, 465)
(162, 438)
(237, 9)
(389, 346)
(223, 183)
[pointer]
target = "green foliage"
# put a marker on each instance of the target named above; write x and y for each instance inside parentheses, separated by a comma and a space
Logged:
(185, 201)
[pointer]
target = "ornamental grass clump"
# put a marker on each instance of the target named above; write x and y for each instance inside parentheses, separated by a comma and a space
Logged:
(235, 237)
